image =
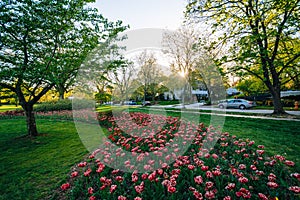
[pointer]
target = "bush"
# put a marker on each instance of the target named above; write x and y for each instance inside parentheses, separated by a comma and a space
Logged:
(169, 102)
(53, 106)
(208, 102)
(63, 105)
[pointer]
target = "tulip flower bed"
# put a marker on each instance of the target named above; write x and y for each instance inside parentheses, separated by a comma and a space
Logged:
(159, 167)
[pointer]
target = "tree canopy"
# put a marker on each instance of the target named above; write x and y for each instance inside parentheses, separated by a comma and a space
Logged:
(42, 42)
(263, 36)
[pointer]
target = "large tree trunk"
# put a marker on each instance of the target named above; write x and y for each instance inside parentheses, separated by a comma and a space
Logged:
(184, 99)
(61, 96)
(28, 107)
(278, 108)
(145, 94)
(30, 120)
(61, 92)
(275, 92)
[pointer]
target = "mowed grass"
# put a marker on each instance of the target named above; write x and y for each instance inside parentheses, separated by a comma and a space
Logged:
(34, 168)
(278, 137)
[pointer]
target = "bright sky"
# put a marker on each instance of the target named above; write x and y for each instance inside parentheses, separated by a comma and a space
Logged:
(166, 14)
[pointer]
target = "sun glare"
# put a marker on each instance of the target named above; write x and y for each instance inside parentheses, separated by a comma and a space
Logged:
(181, 73)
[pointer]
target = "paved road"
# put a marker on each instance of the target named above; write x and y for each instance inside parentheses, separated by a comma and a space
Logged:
(199, 106)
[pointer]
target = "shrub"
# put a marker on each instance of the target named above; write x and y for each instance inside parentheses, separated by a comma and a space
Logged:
(62, 105)
(169, 102)
(208, 102)
(53, 106)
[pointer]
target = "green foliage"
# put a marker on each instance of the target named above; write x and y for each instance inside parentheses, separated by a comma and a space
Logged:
(62, 105)
(168, 102)
(8, 97)
(262, 37)
(43, 44)
(53, 106)
(102, 97)
(251, 86)
(96, 74)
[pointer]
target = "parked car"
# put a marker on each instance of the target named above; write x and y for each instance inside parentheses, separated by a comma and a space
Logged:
(236, 103)
(109, 103)
(133, 103)
(130, 103)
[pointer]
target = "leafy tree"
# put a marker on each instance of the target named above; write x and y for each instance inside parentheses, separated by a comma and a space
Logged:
(39, 42)
(8, 96)
(181, 46)
(290, 78)
(251, 85)
(69, 57)
(262, 35)
(122, 78)
(190, 59)
(173, 82)
(72, 54)
(95, 72)
(136, 90)
(102, 96)
(149, 72)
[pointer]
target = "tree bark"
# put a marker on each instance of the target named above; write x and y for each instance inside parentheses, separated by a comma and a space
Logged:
(61, 92)
(278, 108)
(30, 120)
(145, 93)
(61, 96)
(275, 92)
(184, 95)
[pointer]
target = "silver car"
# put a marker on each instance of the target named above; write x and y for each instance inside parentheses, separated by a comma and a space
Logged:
(236, 103)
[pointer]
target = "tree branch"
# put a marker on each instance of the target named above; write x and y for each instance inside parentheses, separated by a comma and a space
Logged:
(5, 85)
(280, 29)
(42, 93)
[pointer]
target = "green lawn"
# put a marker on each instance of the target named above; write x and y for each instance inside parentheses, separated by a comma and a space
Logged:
(279, 137)
(272, 108)
(33, 168)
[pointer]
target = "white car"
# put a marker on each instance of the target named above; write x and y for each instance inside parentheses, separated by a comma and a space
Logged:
(236, 103)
